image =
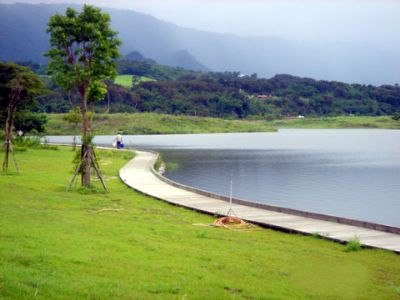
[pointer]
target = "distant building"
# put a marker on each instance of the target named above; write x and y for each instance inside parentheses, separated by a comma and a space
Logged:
(293, 117)
(264, 96)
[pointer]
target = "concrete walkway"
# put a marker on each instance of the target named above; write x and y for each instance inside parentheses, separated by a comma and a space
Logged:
(138, 175)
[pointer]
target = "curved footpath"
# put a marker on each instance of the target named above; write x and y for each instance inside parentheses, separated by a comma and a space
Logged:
(140, 175)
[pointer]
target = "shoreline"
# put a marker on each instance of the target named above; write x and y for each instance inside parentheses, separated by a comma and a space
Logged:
(155, 124)
(369, 224)
(297, 212)
(140, 175)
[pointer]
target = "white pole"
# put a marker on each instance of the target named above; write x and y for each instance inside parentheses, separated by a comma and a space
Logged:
(230, 196)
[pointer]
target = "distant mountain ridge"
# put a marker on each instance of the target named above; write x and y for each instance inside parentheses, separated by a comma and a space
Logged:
(23, 26)
(135, 56)
(23, 37)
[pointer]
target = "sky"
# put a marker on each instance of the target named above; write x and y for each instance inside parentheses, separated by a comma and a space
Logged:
(355, 21)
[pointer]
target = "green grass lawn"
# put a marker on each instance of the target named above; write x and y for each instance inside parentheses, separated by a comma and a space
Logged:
(151, 123)
(126, 80)
(55, 246)
(382, 122)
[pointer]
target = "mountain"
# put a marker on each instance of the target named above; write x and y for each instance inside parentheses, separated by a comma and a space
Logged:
(134, 56)
(22, 32)
(185, 60)
(23, 37)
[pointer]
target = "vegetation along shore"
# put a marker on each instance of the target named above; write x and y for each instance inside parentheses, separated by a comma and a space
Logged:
(152, 123)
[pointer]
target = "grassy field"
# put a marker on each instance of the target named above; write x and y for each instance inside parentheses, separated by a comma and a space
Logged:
(151, 123)
(60, 245)
(384, 122)
(126, 80)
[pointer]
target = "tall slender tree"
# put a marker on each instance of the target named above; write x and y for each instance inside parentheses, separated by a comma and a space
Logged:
(82, 55)
(18, 86)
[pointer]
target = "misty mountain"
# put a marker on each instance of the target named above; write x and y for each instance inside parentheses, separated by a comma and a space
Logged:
(135, 56)
(23, 37)
(185, 60)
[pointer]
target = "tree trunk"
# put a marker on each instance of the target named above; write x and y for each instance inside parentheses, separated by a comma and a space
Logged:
(9, 128)
(86, 145)
(69, 98)
(108, 102)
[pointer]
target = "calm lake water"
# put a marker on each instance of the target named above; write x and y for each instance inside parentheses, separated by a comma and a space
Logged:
(345, 172)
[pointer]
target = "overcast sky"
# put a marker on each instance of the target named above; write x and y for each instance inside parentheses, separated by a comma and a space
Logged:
(367, 21)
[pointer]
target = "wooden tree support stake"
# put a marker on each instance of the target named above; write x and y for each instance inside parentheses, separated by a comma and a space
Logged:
(5, 163)
(14, 159)
(93, 161)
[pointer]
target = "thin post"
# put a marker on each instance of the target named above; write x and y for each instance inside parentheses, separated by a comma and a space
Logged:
(95, 158)
(8, 149)
(74, 143)
(97, 171)
(6, 153)
(230, 196)
(14, 159)
(230, 211)
(76, 171)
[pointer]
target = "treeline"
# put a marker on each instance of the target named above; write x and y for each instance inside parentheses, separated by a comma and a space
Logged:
(231, 94)
(285, 95)
(149, 68)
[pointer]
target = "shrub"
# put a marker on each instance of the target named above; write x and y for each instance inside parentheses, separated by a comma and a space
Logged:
(353, 245)
(23, 143)
(317, 235)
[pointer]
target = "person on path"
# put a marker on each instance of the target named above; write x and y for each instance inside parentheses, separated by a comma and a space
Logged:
(118, 139)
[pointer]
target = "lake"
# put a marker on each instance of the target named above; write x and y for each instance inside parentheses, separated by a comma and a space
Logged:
(352, 173)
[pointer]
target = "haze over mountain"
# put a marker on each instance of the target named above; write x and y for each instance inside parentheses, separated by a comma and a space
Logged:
(23, 37)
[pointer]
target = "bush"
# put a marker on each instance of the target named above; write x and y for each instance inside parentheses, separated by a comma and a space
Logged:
(317, 235)
(353, 245)
(28, 142)
(30, 122)
(22, 143)
(171, 166)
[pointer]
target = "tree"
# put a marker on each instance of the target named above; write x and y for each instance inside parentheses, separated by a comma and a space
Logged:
(82, 55)
(18, 86)
(30, 122)
(74, 117)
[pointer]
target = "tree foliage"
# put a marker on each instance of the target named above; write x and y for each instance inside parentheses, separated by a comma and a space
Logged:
(84, 48)
(74, 116)
(231, 94)
(82, 55)
(18, 87)
(30, 122)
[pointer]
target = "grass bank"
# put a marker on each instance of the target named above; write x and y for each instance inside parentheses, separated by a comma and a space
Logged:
(62, 245)
(151, 123)
(129, 80)
(382, 122)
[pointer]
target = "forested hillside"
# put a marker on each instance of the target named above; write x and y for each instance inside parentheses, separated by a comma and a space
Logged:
(229, 94)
